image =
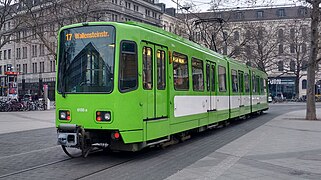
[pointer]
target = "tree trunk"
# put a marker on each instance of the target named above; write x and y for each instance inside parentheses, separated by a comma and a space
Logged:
(311, 111)
(297, 86)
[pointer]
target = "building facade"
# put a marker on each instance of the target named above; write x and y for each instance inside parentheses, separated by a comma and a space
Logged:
(31, 34)
(275, 40)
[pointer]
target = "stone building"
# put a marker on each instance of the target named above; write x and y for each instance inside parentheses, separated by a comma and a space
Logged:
(31, 49)
(274, 39)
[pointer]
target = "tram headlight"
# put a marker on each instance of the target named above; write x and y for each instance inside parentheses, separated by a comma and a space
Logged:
(64, 115)
(107, 116)
(102, 116)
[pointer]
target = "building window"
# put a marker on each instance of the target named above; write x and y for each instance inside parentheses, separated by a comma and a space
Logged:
(114, 1)
(260, 33)
(304, 33)
(34, 50)
(5, 54)
(280, 49)
(24, 52)
(236, 36)
(259, 14)
(114, 17)
(0, 55)
(0, 70)
(147, 12)
(280, 34)
(302, 11)
(24, 68)
(222, 78)
(18, 53)
(127, 5)
(136, 7)
(304, 66)
(303, 48)
(180, 71)
(197, 75)
(304, 84)
(248, 34)
(34, 67)
(9, 53)
(42, 67)
(280, 66)
(18, 67)
(239, 15)
(292, 48)
(237, 50)
(281, 12)
(225, 50)
(292, 66)
(292, 33)
(42, 49)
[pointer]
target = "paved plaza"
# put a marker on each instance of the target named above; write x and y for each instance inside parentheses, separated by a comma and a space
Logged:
(287, 147)
(26, 120)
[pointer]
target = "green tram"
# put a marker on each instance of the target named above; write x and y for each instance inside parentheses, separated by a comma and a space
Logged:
(131, 85)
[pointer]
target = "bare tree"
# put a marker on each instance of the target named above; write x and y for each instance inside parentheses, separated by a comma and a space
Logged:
(298, 53)
(8, 21)
(44, 19)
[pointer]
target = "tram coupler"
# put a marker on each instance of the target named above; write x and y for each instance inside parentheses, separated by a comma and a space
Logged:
(69, 135)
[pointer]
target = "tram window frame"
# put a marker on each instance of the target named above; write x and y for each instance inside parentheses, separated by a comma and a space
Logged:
(147, 75)
(208, 72)
(261, 85)
(234, 79)
(247, 82)
(161, 77)
(197, 85)
(121, 59)
(213, 78)
(241, 81)
(222, 84)
(254, 83)
(257, 79)
(180, 84)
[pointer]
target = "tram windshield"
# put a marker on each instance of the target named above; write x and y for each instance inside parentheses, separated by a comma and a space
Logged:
(86, 59)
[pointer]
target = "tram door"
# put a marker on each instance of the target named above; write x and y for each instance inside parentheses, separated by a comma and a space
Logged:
(154, 78)
(211, 76)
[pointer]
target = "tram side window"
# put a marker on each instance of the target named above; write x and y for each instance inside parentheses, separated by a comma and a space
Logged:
(147, 68)
(262, 85)
(254, 83)
(180, 71)
(197, 74)
(257, 79)
(207, 77)
(241, 81)
(247, 83)
(128, 67)
(222, 78)
(161, 72)
(234, 81)
(213, 78)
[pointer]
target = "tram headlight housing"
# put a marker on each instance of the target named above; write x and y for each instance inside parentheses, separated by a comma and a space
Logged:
(103, 116)
(64, 115)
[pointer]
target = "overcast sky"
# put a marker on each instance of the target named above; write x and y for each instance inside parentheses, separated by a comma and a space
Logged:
(203, 5)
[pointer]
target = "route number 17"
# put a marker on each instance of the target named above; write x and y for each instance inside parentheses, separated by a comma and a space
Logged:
(68, 37)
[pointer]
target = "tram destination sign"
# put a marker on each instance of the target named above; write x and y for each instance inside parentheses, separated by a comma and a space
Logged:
(90, 35)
